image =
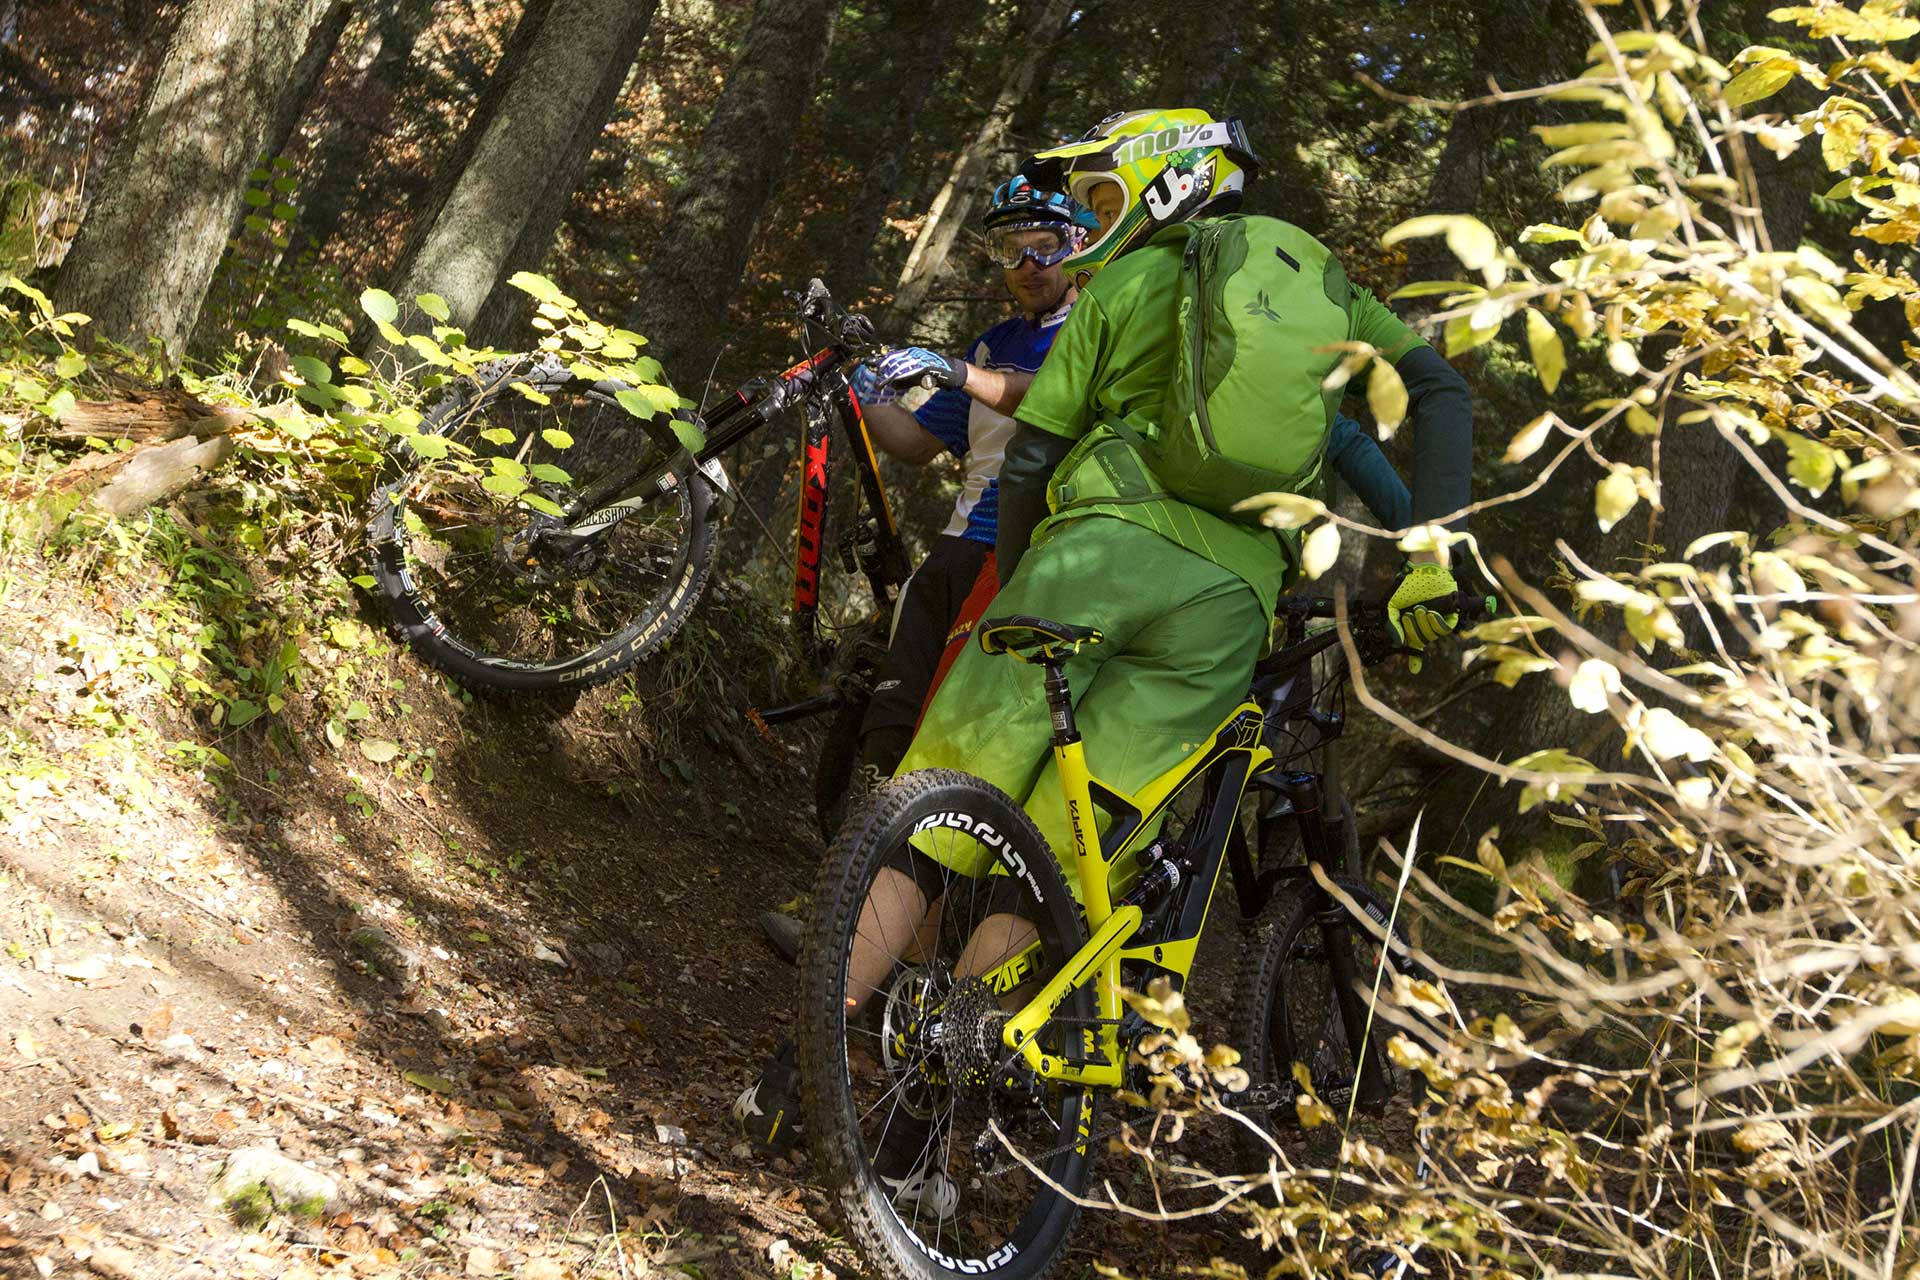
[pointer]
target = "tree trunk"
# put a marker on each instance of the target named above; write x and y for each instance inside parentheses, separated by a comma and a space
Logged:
(696, 265)
(305, 77)
(146, 252)
(516, 148)
(493, 324)
(972, 166)
(299, 92)
(889, 95)
(341, 152)
(1200, 68)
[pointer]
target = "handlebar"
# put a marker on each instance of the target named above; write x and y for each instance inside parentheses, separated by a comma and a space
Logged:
(849, 328)
(1366, 619)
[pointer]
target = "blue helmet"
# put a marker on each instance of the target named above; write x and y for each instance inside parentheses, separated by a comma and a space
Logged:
(1017, 202)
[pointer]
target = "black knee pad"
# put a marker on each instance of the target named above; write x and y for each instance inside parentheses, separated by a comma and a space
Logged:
(927, 875)
(1005, 895)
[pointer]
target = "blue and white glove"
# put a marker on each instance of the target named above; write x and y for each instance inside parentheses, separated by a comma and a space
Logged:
(918, 367)
(868, 389)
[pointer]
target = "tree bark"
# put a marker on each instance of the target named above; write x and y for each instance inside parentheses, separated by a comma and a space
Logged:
(187, 154)
(1199, 66)
(493, 324)
(516, 150)
(971, 167)
(299, 91)
(341, 152)
(305, 77)
(888, 98)
(697, 263)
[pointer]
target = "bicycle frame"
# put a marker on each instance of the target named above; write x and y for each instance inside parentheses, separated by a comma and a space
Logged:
(1224, 765)
(740, 413)
(1232, 754)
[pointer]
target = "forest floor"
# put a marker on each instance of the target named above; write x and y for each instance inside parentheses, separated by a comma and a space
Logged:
(483, 1009)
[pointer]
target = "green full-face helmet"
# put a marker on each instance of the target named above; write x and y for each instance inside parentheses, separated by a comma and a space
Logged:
(1165, 166)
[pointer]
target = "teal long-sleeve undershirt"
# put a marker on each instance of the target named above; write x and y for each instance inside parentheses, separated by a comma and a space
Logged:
(1364, 468)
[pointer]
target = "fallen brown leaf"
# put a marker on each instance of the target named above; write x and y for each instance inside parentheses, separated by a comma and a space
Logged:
(154, 1027)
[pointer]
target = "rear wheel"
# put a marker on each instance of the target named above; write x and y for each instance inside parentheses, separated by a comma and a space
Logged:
(1288, 1012)
(481, 577)
(906, 1090)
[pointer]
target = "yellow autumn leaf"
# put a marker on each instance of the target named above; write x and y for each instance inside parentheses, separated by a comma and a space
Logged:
(1592, 682)
(1549, 356)
(1282, 510)
(1614, 496)
(1321, 550)
(1387, 397)
(1467, 237)
(1762, 80)
(1527, 441)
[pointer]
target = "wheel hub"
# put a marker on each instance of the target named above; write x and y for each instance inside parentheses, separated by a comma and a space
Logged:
(909, 1057)
(536, 555)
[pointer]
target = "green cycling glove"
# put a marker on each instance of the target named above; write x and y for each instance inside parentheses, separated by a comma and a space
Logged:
(1415, 625)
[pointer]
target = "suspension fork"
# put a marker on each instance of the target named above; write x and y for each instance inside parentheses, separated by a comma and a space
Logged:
(1305, 791)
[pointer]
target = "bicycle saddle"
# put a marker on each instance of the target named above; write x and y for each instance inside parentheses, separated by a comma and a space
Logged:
(1018, 634)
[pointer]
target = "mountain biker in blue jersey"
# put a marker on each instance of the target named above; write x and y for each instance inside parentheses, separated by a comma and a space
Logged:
(1029, 232)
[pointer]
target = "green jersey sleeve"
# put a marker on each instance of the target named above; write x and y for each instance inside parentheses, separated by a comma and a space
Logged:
(1061, 399)
(1369, 321)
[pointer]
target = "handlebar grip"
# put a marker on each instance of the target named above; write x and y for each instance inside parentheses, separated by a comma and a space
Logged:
(1473, 607)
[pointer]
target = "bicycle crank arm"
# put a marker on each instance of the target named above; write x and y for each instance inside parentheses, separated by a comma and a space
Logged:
(817, 705)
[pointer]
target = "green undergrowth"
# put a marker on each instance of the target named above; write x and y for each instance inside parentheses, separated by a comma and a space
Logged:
(237, 616)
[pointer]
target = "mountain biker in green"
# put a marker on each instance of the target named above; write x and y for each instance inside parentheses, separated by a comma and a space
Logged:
(1183, 596)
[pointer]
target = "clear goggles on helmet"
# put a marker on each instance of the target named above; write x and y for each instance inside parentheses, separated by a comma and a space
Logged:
(1044, 242)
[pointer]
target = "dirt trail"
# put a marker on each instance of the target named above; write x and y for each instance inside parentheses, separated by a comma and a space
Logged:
(501, 1014)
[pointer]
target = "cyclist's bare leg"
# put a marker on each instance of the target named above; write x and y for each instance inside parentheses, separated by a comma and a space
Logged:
(999, 938)
(892, 920)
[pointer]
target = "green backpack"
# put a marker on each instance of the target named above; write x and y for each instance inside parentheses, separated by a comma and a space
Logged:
(1246, 413)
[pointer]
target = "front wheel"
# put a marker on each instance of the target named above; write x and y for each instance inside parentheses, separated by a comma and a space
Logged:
(1288, 1011)
(485, 580)
(906, 1080)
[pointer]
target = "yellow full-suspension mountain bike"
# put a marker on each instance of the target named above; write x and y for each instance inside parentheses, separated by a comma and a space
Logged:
(906, 1085)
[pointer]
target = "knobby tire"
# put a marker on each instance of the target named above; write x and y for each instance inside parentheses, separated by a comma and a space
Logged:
(466, 642)
(1286, 978)
(894, 1247)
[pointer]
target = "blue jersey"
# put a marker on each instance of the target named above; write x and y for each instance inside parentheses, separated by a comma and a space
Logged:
(976, 434)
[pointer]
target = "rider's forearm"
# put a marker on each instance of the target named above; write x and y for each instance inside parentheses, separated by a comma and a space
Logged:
(1001, 390)
(1442, 435)
(1363, 468)
(899, 434)
(1031, 456)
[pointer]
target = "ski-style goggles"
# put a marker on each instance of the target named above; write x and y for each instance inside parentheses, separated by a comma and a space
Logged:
(1044, 243)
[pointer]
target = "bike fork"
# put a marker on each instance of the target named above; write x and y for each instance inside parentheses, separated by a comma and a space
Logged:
(1336, 934)
(1303, 790)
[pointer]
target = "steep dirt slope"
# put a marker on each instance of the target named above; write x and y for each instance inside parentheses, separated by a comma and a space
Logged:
(489, 971)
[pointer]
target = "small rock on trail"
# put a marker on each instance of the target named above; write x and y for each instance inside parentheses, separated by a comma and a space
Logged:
(291, 1184)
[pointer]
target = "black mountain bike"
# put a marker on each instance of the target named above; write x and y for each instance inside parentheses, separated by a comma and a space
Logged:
(922, 1089)
(596, 545)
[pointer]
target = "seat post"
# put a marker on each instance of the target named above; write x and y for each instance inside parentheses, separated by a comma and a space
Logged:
(1060, 703)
